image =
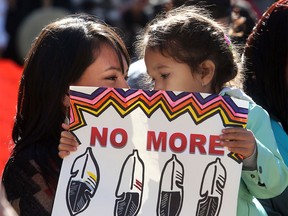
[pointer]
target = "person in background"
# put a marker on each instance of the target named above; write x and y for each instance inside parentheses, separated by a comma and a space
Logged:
(266, 62)
(137, 76)
(75, 50)
(220, 10)
(134, 18)
(238, 18)
(17, 12)
(3, 33)
(243, 20)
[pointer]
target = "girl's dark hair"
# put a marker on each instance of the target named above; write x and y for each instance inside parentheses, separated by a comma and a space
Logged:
(58, 58)
(190, 36)
(266, 62)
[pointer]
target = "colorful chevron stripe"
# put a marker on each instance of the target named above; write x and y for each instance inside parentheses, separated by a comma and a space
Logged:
(199, 106)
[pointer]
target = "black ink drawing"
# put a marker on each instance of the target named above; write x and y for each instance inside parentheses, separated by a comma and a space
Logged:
(211, 191)
(83, 183)
(170, 195)
(130, 186)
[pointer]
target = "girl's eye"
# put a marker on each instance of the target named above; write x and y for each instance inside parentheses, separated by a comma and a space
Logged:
(165, 76)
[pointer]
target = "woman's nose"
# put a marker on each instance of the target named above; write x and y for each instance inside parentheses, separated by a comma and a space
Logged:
(157, 86)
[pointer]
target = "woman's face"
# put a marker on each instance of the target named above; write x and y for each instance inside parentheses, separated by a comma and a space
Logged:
(105, 71)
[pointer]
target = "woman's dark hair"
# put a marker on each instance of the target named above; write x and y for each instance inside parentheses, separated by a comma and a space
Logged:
(266, 62)
(189, 36)
(58, 58)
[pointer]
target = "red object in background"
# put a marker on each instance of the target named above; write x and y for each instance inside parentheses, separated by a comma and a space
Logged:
(10, 74)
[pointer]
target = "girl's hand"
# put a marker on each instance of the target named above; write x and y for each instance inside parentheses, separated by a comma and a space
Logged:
(238, 140)
(68, 142)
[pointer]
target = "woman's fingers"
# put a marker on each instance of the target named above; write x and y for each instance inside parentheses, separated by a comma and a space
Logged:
(67, 147)
(63, 154)
(68, 140)
(68, 143)
(65, 126)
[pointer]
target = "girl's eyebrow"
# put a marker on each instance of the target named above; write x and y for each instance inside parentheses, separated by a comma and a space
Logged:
(157, 67)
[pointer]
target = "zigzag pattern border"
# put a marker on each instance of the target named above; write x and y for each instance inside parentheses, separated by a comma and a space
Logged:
(173, 105)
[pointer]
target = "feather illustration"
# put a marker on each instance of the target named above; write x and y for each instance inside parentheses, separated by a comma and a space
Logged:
(130, 186)
(211, 191)
(83, 183)
(170, 196)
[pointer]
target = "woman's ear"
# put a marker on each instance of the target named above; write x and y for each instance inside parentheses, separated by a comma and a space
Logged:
(66, 103)
(66, 100)
(207, 68)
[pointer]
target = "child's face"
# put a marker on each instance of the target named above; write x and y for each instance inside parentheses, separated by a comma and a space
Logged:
(171, 75)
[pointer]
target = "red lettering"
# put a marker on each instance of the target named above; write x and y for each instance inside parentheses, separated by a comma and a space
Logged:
(156, 143)
(197, 140)
(178, 142)
(120, 132)
(183, 142)
(95, 134)
(215, 143)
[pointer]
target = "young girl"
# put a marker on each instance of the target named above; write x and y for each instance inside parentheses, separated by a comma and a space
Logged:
(185, 51)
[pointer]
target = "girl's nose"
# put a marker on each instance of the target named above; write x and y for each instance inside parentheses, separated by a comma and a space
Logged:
(123, 83)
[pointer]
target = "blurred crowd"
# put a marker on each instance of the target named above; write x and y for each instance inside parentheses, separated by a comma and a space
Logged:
(21, 21)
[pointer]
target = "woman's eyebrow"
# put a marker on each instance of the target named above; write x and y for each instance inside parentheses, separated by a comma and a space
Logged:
(113, 68)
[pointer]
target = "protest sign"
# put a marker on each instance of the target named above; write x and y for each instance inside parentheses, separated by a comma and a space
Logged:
(150, 153)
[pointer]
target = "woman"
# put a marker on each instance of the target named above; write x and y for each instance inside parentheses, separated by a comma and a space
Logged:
(76, 50)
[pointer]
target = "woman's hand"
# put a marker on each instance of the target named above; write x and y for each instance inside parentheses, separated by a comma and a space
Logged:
(68, 142)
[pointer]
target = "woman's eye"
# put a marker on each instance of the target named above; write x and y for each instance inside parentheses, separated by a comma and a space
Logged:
(112, 78)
